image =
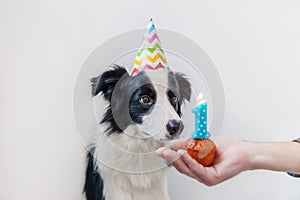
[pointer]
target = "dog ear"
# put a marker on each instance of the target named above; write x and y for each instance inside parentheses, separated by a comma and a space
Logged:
(184, 86)
(106, 82)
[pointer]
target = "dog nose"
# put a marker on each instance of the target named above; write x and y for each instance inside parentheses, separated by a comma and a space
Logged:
(174, 127)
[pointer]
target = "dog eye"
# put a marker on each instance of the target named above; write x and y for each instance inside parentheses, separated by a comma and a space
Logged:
(146, 100)
(174, 99)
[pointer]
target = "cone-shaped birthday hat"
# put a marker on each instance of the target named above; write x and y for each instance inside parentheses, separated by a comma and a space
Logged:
(150, 55)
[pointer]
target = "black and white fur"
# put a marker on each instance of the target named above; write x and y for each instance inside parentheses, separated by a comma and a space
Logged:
(143, 113)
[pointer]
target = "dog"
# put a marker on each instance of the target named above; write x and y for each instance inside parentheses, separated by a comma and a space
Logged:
(143, 114)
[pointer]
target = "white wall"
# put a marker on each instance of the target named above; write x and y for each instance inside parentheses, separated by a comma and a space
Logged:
(255, 45)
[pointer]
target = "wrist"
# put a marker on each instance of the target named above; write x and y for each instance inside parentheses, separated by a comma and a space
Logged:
(245, 155)
(273, 156)
(254, 157)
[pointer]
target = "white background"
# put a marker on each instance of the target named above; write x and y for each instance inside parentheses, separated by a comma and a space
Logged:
(254, 44)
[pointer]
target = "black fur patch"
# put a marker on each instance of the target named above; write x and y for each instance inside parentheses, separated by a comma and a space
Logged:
(180, 87)
(124, 108)
(106, 82)
(136, 109)
(93, 186)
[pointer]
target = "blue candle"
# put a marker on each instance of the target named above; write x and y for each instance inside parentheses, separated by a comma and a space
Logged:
(200, 112)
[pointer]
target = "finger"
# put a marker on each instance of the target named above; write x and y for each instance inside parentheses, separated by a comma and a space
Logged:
(159, 151)
(184, 169)
(168, 154)
(197, 169)
(178, 144)
(174, 158)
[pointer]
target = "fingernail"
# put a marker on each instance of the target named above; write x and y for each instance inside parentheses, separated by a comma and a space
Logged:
(159, 151)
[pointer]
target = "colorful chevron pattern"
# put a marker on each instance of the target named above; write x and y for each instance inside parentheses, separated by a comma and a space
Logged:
(150, 55)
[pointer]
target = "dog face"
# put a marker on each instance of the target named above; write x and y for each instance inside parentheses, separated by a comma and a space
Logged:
(148, 103)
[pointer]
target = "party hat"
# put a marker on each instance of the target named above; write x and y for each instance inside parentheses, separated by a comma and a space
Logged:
(150, 55)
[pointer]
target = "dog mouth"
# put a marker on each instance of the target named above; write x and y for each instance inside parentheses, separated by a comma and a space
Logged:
(168, 138)
(165, 138)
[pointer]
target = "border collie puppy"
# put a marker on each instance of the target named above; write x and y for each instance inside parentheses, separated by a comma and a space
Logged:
(143, 114)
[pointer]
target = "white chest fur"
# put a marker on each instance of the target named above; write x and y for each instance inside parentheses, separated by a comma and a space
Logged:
(130, 168)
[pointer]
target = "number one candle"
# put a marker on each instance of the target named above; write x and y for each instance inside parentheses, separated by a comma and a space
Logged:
(200, 147)
(200, 112)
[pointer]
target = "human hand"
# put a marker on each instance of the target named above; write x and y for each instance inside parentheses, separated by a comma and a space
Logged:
(231, 159)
